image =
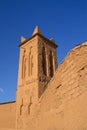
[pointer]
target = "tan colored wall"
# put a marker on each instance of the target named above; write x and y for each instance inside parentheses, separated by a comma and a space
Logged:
(7, 115)
(31, 86)
(63, 106)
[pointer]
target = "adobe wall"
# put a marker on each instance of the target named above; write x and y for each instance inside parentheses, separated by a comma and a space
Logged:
(63, 105)
(34, 73)
(7, 115)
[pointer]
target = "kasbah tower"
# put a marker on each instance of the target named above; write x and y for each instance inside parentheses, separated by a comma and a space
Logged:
(37, 65)
(48, 96)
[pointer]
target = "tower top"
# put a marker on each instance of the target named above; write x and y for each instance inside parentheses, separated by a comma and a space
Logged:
(37, 30)
(39, 33)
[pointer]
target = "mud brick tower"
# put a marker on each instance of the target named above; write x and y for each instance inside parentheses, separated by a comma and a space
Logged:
(37, 65)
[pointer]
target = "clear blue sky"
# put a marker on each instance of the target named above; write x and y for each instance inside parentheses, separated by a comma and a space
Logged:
(64, 20)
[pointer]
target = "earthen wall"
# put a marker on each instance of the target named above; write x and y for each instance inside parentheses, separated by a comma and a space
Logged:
(7, 115)
(63, 106)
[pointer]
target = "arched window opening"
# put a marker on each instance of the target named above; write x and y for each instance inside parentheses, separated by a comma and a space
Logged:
(44, 60)
(23, 66)
(30, 62)
(51, 64)
(32, 65)
(21, 108)
(29, 106)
